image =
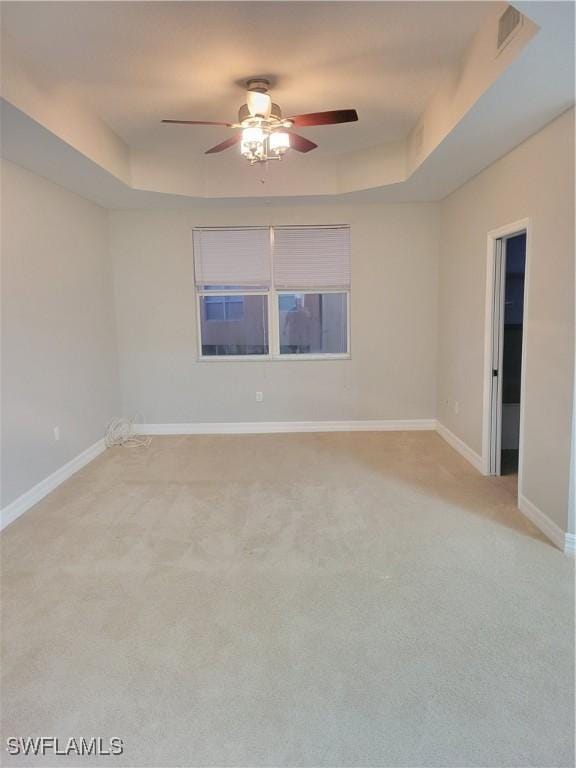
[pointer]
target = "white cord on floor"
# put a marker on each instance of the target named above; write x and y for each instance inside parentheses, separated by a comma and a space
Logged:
(121, 432)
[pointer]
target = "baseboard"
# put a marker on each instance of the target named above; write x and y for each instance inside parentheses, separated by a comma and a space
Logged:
(460, 446)
(20, 505)
(548, 527)
(564, 541)
(270, 427)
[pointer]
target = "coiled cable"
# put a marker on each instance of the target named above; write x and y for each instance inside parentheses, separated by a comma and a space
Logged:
(121, 432)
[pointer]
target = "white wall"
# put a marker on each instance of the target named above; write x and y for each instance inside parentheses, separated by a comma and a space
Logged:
(59, 357)
(393, 340)
(536, 181)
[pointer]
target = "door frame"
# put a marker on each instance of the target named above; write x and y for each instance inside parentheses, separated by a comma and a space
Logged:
(494, 242)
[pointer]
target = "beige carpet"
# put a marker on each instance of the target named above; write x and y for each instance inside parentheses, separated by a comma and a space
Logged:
(288, 600)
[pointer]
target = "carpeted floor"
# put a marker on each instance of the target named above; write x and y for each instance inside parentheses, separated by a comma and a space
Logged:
(311, 600)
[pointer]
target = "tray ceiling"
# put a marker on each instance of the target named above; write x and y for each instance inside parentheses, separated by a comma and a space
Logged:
(133, 63)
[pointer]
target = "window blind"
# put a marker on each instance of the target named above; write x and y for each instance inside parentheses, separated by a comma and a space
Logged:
(232, 257)
(311, 257)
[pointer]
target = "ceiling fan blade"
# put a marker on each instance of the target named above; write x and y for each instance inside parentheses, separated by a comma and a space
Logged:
(224, 145)
(326, 118)
(197, 122)
(300, 144)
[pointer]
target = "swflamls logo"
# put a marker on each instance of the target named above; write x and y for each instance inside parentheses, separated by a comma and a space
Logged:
(53, 745)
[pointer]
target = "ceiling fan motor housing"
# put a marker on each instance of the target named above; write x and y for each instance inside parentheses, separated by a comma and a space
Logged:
(259, 84)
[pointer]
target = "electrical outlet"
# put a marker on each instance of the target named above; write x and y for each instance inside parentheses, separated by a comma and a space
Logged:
(456, 407)
(259, 397)
(56, 431)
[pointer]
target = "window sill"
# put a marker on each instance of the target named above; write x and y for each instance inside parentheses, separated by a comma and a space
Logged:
(268, 358)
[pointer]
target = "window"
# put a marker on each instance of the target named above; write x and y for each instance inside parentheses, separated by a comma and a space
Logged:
(273, 292)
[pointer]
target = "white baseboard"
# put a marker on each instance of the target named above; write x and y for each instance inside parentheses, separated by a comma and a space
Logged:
(20, 505)
(564, 541)
(270, 427)
(459, 445)
(570, 544)
(541, 520)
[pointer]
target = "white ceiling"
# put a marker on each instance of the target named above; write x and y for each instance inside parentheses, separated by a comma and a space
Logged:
(134, 63)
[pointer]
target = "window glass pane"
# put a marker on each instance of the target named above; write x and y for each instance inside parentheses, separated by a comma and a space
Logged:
(234, 325)
(313, 323)
(224, 307)
(234, 307)
(214, 307)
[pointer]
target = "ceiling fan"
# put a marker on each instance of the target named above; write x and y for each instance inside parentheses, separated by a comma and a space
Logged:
(265, 134)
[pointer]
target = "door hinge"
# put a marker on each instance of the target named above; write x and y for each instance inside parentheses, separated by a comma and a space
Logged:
(494, 372)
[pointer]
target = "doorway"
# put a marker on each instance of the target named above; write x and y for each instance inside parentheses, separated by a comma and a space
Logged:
(506, 292)
(513, 326)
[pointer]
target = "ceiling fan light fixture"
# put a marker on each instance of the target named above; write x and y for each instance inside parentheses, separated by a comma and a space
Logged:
(259, 104)
(279, 142)
(252, 145)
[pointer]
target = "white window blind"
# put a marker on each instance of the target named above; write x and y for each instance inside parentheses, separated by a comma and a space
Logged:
(311, 257)
(232, 257)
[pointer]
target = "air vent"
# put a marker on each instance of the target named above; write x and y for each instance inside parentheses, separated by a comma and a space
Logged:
(508, 25)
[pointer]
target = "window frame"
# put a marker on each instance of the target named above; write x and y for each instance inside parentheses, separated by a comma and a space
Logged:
(272, 294)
